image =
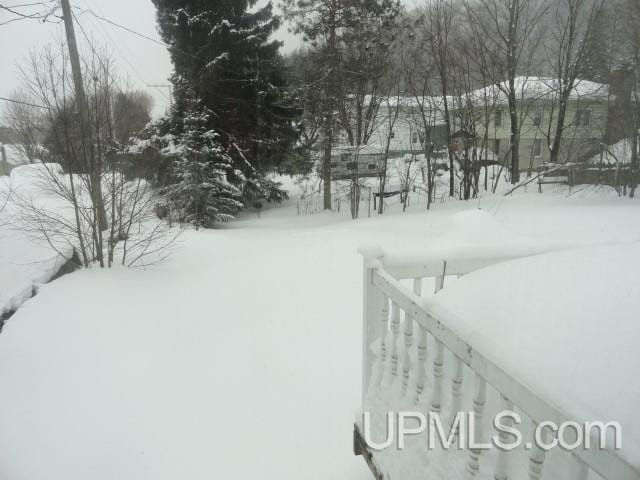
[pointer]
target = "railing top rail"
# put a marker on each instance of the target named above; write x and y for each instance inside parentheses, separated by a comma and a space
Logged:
(452, 261)
(437, 321)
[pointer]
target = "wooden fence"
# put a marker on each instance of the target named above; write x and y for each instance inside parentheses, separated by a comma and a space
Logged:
(580, 174)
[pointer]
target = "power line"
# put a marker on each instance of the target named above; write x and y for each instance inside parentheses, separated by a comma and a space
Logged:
(123, 55)
(142, 35)
(23, 103)
(125, 51)
(43, 16)
(166, 45)
(23, 5)
(169, 86)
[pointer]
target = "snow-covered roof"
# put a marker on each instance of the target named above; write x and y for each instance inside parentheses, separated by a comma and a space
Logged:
(527, 88)
(15, 155)
(542, 88)
(362, 150)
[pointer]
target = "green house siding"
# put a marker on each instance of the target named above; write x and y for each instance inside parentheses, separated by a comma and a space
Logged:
(581, 137)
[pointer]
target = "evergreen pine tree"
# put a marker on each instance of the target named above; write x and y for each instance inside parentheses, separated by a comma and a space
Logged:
(200, 192)
(222, 51)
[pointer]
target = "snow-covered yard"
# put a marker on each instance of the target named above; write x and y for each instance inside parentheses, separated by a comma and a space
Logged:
(239, 357)
(15, 155)
(26, 259)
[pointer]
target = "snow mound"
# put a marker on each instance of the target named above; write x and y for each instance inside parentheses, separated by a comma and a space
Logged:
(25, 261)
(473, 234)
(565, 324)
(477, 227)
(15, 155)
(620, 153)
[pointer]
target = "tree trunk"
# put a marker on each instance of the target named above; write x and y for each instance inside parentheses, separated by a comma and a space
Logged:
(330, 108)
(562, 113)
(326, 163)
(447, 123)
(515, 136)
(512, 65)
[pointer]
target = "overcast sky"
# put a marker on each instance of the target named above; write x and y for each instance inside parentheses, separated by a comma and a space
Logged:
(141, 61)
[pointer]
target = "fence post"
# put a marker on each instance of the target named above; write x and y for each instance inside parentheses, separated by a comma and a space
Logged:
(372, 307)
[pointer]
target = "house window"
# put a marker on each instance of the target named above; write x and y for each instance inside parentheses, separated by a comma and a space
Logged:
(496, 146)
(334, 165)
(392, 135)
(537, 116)
(345, 157)
(583, 117)
(498, 118)
(352, 166)
(537, 148)
(372, 166)
(414, 137)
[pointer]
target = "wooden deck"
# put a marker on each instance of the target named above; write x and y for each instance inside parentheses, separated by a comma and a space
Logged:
(360, 448)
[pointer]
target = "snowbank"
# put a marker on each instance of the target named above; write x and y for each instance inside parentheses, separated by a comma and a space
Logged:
(15, 155)
(566, 325)
(475, 234)
(618, 154)
(25, 261)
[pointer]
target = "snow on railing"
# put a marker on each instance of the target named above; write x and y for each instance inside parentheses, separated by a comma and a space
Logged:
(408, 346)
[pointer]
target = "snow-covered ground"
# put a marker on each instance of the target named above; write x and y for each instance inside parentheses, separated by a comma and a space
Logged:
(562, 307)
(239, 357)
(15, 155)
(26, 260)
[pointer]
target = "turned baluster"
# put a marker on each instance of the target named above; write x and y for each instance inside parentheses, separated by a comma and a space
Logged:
(479, 400)
(408, 327)
(395, 330)
(438, 372)
(384, 330)
(438, 363)
(408, 339)
(502, 463)
(422, 356)
(537, 457)
(456, 388)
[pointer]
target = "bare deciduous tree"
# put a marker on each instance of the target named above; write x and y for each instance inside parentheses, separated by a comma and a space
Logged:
(509, 31)
(392, 104)
(631, 43)
(419, 72)
(68, 214)
(568, 56)
(439, 20)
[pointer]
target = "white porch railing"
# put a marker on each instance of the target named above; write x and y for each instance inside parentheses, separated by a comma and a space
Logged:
(407, 349)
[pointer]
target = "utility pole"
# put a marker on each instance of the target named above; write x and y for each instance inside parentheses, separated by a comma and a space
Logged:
(329, 106)
(92, 164)
(81, 98)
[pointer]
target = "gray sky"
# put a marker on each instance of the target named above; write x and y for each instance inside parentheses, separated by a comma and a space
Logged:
(141, 61)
